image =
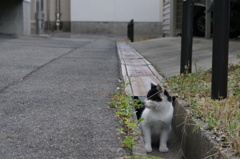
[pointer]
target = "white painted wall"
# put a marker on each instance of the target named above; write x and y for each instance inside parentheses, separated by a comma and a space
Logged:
(116, 10)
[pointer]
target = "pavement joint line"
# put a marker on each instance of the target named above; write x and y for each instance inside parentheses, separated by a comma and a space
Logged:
(64, 54)
(38, 68)
(35, 70)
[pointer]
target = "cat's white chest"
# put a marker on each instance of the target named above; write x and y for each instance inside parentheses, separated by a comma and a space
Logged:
(157, 115)
(152, 116)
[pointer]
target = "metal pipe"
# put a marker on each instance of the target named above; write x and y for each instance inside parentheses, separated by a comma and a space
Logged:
(39, 16)
(48, 14)
(58, 14)
(187, 37)
(221, 18)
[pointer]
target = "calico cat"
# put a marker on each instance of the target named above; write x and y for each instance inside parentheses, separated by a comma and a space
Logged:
(157, 115)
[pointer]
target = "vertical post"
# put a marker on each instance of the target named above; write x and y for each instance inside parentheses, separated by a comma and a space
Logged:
(173, 18)
(220, 48)
(187, 36)
(48, 15)
(39, 16)
(131, 30)
(207, 22)
(58, 14)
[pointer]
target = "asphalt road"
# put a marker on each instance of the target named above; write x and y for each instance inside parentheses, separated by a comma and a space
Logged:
(53, 101)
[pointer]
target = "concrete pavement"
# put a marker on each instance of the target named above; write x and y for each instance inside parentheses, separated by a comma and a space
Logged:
(53, 97)
(164, 53)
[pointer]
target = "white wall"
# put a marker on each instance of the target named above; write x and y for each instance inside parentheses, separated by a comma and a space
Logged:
(116, 10)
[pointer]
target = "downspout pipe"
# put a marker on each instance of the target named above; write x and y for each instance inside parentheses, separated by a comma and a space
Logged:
(58, 15)
(39, 16)
(48, 15)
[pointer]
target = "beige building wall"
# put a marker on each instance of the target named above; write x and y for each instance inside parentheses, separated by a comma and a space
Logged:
(50, 15)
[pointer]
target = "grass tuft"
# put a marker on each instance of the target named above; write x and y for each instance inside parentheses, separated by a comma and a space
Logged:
(125, 111)
(221, 116)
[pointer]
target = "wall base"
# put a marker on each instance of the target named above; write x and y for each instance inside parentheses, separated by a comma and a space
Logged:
(65, 26)
(117, 28)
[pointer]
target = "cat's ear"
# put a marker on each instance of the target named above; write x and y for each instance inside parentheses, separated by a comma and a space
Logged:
(159, 88)
(153, 86)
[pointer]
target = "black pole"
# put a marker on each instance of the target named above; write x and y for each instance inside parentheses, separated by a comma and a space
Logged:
(221, 15)
(131, 30)
(187, 35)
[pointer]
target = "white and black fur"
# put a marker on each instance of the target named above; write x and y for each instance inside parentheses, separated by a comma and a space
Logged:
(157, 115)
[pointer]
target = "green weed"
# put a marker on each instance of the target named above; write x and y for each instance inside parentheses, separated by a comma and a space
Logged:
(125, 112)
(128, 142)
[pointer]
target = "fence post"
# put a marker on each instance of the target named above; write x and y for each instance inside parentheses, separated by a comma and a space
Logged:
(130, 30)
(221, 15)
(187, 35)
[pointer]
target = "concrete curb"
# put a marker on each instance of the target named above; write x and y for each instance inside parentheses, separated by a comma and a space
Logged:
(196, 142)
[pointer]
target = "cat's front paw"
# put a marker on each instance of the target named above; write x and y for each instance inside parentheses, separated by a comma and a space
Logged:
(148, 148)
(163, 149)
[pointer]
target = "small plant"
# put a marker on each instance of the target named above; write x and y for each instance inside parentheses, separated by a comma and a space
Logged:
(128, 142)
(125, 110)
(238, 56)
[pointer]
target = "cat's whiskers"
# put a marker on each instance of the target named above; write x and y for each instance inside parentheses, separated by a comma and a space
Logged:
(151, 96)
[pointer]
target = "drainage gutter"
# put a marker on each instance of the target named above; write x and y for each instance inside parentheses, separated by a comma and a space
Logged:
(194, 143)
